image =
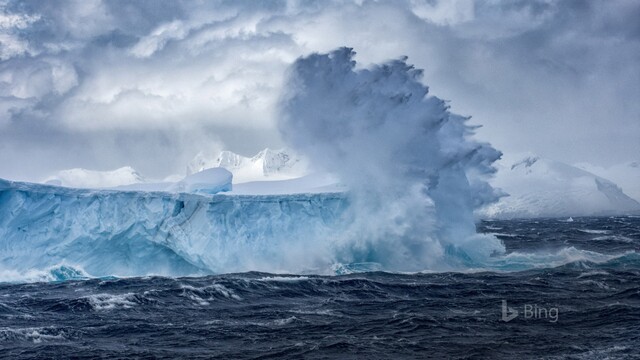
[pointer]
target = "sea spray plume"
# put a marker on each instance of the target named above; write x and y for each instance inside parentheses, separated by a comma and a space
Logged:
(415, 175)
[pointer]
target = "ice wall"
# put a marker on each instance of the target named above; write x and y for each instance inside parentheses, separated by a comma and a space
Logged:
(414, 172)
(130, 233)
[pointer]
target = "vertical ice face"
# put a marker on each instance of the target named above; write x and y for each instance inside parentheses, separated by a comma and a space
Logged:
(414, 172)
(131, 233)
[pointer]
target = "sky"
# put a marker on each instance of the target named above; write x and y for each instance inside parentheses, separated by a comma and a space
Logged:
(149, 84)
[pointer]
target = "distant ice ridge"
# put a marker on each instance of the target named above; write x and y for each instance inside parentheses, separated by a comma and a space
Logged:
(268, 164)
(269, 172)
(209, 181)
(83, 178)
(540, 187)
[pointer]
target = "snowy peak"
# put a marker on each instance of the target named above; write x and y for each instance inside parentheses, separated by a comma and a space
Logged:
(268, 164)
(230, 160)
(277, 161)
(540, 187)
(83, 178)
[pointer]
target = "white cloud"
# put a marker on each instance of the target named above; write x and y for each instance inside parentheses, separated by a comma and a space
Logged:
(11, 44)
(556, 77)
(16, 21)
(444, 12)
(155, 41)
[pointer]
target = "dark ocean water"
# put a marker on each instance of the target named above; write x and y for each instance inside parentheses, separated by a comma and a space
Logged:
(582, 309)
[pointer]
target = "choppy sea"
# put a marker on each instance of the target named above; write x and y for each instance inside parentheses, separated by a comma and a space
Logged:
(585, 308)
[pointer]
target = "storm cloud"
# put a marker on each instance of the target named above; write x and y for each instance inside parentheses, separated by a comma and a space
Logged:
(105, 84)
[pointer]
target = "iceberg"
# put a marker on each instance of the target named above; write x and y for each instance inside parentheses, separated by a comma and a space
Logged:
(135, 233)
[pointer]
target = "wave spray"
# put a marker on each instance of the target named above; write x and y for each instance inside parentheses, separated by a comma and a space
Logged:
(414, 172)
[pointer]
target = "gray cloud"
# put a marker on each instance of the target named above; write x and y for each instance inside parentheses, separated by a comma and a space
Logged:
(103, 84)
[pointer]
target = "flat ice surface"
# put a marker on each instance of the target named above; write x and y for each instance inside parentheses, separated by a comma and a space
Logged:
(83, 178)
(210, 181)
(310, 184)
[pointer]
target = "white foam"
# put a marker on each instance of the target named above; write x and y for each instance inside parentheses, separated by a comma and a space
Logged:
(33, 334)
(520, 260)
(285, 278)
(618, 238)
(58, 272)
(593, 273)
(591, 231)
(111, 301)
(197, 293)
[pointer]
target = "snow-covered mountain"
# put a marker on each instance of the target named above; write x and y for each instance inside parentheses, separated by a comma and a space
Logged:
(540, 187)
(268, 164)
(627, 175)
(83, 178)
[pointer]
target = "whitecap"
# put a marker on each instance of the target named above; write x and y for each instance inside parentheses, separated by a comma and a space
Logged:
(591, 231)
(111, 301)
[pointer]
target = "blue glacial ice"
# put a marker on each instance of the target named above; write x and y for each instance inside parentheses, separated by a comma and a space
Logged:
(128, 233)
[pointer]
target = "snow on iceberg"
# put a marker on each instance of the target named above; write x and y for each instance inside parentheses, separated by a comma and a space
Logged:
(309, 184)
(208, 181)
(83, 178)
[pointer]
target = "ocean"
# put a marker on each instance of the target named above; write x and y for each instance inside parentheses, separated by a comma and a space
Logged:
(576, 296)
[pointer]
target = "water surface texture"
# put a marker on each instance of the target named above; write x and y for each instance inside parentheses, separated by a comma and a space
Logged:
(583, 309)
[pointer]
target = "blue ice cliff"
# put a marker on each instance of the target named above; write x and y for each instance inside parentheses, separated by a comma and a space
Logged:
(127, 233)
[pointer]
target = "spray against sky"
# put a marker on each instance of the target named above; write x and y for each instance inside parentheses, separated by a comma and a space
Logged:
(105, 84)
(415, 176)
